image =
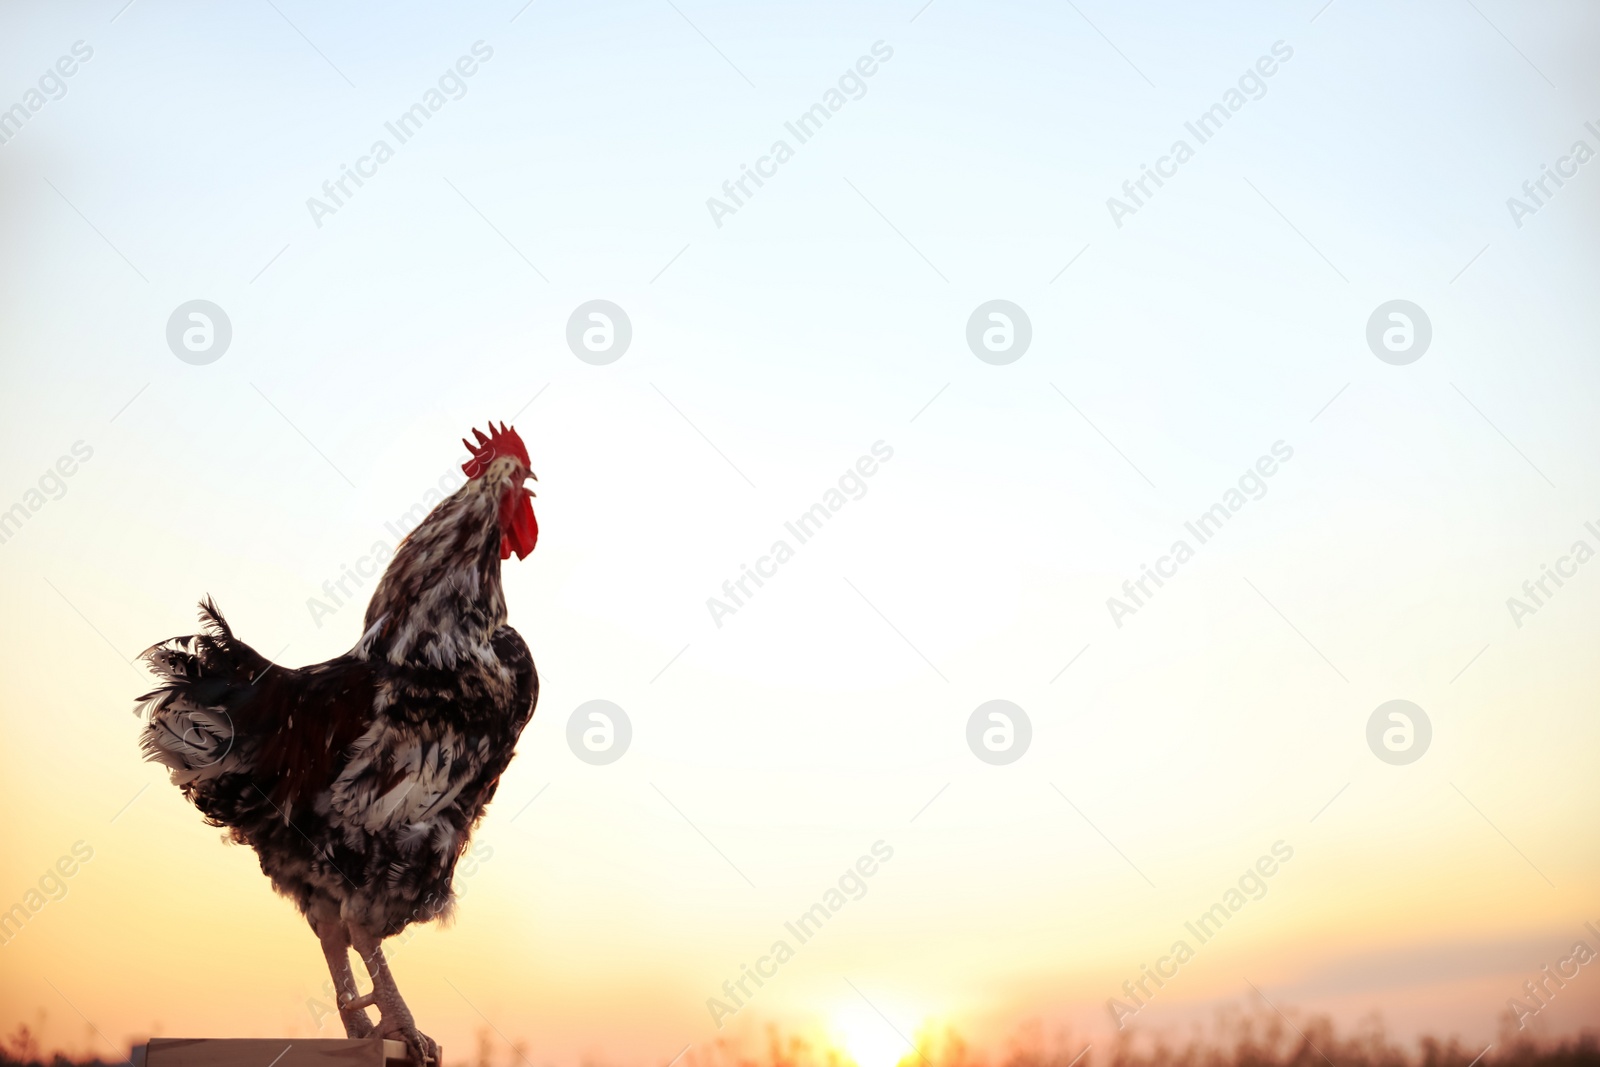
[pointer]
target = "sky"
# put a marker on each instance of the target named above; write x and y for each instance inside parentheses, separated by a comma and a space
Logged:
(1326, 390)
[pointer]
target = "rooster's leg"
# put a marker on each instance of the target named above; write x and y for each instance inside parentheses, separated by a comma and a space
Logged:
(336, 949)
(396, 1020)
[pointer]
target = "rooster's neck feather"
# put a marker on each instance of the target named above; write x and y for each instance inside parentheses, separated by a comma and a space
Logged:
(440, 600)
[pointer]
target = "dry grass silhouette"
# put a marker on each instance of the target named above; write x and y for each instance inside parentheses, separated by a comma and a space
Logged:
(1237, 1039)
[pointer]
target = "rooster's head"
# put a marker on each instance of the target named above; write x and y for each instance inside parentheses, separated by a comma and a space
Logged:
(502, 459)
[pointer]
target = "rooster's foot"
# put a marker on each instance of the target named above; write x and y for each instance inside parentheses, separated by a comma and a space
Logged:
(424, 1049)
(394, 1018)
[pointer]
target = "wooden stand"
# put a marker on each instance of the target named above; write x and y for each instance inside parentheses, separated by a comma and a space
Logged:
(275, 1052)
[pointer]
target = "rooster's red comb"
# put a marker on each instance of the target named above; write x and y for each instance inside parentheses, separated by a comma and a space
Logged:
(501, 441)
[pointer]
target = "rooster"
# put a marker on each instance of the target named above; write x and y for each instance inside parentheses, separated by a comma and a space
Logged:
(358, 781)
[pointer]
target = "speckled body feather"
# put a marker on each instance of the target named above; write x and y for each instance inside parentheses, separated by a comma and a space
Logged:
(358, 781)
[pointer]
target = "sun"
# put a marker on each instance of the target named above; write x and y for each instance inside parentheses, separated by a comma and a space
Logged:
(869, 1041)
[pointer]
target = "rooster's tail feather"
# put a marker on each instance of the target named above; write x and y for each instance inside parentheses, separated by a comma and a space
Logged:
(187, 724)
